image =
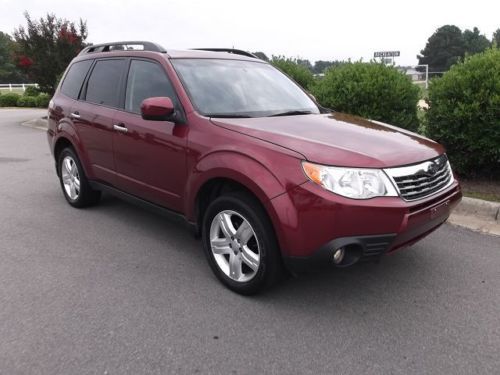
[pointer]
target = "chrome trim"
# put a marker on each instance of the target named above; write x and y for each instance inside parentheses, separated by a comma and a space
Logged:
(120, 128)
(431, 171)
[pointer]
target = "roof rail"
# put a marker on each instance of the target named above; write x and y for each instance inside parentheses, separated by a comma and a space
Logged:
(118, 46)
(228, 50)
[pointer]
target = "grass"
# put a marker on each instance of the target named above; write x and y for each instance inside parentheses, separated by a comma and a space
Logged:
(481, 189)
(15, 90)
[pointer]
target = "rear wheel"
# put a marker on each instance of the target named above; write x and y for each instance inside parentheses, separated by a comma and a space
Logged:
(240, 244)
(74, 183)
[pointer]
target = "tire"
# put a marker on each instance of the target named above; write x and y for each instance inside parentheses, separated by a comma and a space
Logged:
(74, 183)
(240, 243)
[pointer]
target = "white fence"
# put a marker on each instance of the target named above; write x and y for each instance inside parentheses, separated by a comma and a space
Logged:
(15, 87)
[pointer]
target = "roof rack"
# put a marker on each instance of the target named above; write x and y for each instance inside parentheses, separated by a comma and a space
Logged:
(228, 50)
(122, 46)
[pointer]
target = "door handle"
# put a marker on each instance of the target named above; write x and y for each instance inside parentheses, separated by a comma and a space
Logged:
(75, 114)
(120, 128)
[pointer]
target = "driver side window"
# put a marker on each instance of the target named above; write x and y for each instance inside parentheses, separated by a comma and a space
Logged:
(145, 80)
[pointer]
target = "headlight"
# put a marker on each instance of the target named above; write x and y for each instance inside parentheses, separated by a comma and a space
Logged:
(356, 183)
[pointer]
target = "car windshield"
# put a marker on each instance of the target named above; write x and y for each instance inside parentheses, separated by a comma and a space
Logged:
(237, 88)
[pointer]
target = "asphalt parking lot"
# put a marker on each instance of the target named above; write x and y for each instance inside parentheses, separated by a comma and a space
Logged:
(118, 290)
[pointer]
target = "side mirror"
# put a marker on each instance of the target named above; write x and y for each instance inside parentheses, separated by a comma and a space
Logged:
(157, 109)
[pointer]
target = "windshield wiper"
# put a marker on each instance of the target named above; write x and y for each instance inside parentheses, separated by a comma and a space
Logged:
(291, 113)
(227, 115)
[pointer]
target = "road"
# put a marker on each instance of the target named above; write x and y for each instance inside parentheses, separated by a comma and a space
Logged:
(118, 290)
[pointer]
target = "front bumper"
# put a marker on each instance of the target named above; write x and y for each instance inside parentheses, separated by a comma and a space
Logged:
(359, 248)
(311, 223)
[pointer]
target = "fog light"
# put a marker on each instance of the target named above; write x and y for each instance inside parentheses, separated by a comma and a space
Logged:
(338, 255)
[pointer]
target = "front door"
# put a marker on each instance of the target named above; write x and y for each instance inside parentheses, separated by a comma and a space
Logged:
(150, 156)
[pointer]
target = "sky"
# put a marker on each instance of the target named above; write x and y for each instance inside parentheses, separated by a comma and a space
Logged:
(311, 29)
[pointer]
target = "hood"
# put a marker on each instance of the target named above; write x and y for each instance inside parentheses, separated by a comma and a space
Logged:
(339, 139)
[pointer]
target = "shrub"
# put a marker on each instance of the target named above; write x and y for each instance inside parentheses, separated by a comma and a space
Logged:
(9, 99)
(298, 72)
(371, 90)
(43, 100)
(31, 91)
(26, 101)
(464, 113)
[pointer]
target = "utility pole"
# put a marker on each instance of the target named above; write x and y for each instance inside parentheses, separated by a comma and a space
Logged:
(426, 74)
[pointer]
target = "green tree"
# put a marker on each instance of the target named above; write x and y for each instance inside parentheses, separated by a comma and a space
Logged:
(371, 90)
(298, 72)
(321, 66)
(47, 46)
(261, 55)
(443, 49)
(9, 73)
(306, 63)
(475, 42)
(464, 114)
(495, 40)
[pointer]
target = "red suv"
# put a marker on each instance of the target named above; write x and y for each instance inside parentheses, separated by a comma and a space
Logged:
(248, 159)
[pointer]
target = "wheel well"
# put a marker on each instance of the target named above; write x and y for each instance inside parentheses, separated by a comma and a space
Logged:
(217, 187)
(61, 144)
(213, 189)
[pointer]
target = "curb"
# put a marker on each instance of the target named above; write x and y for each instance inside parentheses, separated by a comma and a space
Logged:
(478, 215)
(37, 123)
(472, 213)
(486, 210)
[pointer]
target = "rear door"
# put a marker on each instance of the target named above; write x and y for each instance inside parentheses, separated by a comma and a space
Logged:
(65, 100)
(150, 156)
(94, 112)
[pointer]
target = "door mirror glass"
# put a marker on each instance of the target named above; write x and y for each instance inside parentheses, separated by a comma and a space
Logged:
(157, 109)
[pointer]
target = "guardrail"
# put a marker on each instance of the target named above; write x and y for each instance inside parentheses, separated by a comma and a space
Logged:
(16, 86)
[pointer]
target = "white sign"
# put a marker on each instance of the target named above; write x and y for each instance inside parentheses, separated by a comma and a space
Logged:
(386, 54)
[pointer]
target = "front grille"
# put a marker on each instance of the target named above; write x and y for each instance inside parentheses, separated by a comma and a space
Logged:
(423, 179)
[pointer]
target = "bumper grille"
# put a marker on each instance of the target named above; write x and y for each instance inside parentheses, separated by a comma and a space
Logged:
(423, 179)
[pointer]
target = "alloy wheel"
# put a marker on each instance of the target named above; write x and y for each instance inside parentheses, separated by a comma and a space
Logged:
(235, 246)
(70, 178)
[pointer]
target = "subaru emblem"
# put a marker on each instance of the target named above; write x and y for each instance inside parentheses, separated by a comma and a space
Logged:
(432, 168)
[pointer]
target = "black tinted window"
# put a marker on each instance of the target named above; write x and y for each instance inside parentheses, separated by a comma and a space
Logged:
(104, 83)
(146, 80)
(74, 78)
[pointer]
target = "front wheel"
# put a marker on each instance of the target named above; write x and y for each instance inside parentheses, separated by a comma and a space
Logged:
(240, 244)
(74, 183)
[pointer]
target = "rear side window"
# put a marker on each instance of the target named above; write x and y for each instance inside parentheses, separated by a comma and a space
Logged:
(74, 78)
(103, 86)
(145, 80)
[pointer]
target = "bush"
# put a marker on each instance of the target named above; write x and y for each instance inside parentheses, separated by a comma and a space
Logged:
(464, 114)
(31, 91)
(43, 100)
(299, 73)
(26, 101)
(9, 99)
(371, 90)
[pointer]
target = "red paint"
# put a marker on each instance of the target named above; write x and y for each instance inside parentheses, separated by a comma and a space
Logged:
(156, 108)
(168, 163)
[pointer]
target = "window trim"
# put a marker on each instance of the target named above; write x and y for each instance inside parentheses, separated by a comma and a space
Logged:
(177, 103)
(83, 91)
(84, 78)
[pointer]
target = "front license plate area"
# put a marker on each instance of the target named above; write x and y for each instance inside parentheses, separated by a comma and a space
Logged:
(440, 209)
